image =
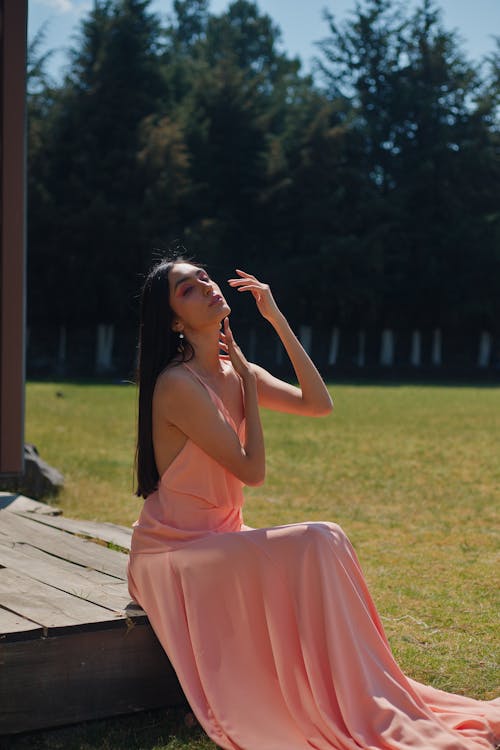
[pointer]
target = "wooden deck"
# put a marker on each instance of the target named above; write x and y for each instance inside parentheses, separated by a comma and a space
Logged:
(73, 646)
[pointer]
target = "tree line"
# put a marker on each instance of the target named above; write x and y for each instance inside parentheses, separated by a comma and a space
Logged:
(367, 194)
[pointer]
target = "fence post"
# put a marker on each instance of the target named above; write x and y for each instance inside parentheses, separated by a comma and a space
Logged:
(484, 352)
(387, 348)
(437, 348)
(333, 351)
(416, 349)
(104, 347)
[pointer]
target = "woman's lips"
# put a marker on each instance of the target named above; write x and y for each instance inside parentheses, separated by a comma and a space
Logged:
(216, 299)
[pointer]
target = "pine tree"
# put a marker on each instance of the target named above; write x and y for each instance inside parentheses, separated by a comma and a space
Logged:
(96, 180)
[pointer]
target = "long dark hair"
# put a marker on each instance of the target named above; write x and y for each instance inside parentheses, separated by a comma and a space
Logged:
(158, 346)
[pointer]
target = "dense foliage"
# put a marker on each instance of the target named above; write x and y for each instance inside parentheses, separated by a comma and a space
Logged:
(368, 195)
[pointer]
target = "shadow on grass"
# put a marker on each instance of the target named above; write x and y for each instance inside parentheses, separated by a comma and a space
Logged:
(162, 729)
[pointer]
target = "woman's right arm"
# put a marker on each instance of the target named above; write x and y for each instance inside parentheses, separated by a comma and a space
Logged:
(185, 403)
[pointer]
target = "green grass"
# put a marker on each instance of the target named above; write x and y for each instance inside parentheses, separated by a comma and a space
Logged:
(411, 473)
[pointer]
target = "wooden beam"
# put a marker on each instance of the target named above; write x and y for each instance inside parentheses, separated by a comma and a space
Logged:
(73, 646)
(13, 15)
(83, 675)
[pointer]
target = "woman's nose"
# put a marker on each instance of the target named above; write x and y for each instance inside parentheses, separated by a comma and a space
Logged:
(207, 286)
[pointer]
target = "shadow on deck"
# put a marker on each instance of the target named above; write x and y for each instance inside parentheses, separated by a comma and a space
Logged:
(73, 646)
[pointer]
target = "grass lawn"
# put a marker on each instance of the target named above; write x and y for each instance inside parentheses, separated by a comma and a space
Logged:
(410, 472)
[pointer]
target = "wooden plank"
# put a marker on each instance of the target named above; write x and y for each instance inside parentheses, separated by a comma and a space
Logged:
(14, 626)
(106, 532)
(108, 592)
(54, 610)
(82, 676)
(89, 554)
(36, 555)
(15, 502)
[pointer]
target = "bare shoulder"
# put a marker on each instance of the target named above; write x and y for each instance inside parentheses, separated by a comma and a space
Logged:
(175, 387)
(172, 376)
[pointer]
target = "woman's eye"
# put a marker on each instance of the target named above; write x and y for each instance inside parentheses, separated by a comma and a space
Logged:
(186, 290)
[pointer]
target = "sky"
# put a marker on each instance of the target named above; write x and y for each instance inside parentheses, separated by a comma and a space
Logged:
(300, 21)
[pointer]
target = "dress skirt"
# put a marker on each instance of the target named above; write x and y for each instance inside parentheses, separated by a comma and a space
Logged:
(278, 646)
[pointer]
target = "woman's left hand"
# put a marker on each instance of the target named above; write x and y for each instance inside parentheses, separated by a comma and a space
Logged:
(233, 352)
(261, 293)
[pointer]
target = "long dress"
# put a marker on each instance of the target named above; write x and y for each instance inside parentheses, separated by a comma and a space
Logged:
(273, 633)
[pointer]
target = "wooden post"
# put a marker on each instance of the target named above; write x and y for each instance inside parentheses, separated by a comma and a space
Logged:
(13, 15)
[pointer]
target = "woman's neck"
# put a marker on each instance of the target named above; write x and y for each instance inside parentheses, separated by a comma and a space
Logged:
(206, 349)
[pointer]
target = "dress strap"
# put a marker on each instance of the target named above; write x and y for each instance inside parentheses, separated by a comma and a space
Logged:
(205, 384)
(215, 396)
(193, 372)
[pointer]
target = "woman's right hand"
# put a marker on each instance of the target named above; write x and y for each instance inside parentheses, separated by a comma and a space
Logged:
(261, 293)
(233, 352)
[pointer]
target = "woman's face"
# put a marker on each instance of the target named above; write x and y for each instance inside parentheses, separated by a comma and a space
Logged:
(196, 301)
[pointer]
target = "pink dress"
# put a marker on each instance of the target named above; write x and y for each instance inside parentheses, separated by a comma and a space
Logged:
(272, 632)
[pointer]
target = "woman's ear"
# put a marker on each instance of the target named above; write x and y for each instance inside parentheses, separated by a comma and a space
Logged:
(177, 326)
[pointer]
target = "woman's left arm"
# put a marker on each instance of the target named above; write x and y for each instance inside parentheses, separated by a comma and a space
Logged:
(311, 398)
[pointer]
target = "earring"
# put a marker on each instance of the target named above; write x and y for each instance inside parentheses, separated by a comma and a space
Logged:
(180, 345)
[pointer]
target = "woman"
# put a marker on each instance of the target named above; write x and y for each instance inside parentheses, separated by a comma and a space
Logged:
(272, 632)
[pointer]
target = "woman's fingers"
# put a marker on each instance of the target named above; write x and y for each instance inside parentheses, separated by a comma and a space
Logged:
(228, 334)
(245, 282)
(244, 278)
(242, 282)
(235, 354)
(250, 287)
(244, 285)
(222, 341)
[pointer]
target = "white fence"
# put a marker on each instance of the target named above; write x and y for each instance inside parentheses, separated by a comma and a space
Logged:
(107, 350)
